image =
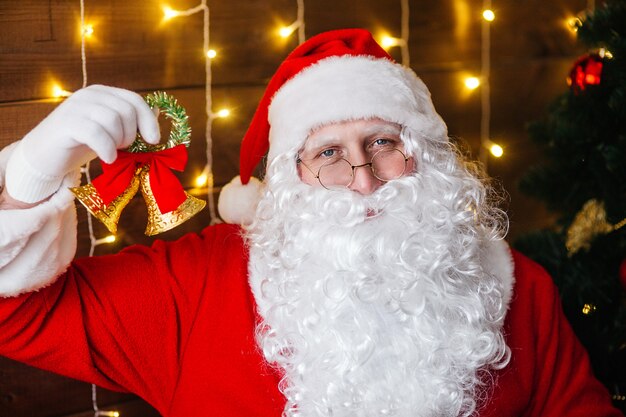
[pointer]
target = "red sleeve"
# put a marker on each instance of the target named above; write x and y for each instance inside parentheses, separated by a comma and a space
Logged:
(120, 321)
(550, 374)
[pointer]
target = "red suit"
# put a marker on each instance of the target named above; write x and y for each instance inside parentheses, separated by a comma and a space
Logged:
(174, 323)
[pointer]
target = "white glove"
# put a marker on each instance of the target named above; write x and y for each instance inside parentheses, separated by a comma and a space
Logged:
(94, 121)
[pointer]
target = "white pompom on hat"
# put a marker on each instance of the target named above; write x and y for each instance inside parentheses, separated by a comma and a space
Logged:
(334, 76)
(230, 205)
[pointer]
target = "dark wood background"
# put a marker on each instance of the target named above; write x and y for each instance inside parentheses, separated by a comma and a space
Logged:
(532, 51)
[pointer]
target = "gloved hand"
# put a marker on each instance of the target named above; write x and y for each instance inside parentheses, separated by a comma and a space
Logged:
(94, 121)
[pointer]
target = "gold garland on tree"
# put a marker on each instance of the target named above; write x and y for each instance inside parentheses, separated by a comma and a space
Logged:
(589, 222)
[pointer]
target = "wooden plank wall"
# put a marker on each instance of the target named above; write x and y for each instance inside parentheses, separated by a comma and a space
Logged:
(133, 48)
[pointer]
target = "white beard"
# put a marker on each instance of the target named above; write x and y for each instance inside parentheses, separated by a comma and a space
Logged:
(369, 316)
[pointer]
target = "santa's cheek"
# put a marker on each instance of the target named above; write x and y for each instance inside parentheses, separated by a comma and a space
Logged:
(306, 177)
(411, 166)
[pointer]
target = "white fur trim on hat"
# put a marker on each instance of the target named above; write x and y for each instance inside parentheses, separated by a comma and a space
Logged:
(349, 87)
(237, 203)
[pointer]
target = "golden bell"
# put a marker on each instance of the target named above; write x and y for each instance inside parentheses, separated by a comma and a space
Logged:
(160, 222)
(108, 214)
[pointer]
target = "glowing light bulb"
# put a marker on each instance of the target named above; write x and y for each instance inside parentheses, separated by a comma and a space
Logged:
(472, 83)
(223, 113)
(107, 413)
(605, 53)
(58, 91)
(496, 150)
(202, 180)
(489, 15)
(103, 240)
(211, 53)
(285, 31)
(389, 41)
(169, 13)
(588, 309)
(88, 30)
(573, 23)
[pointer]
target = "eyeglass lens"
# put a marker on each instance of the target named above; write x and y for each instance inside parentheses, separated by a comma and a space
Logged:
(386, 165)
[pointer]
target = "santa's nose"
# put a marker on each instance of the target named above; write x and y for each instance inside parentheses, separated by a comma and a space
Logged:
(363, 181)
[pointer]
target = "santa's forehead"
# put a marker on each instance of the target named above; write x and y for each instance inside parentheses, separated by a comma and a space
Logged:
(359, 128)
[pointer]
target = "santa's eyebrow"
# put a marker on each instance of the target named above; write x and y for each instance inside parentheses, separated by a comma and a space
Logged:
(383, 129)
(314, 144)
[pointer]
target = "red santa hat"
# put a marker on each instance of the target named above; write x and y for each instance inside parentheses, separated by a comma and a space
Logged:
(334, 76)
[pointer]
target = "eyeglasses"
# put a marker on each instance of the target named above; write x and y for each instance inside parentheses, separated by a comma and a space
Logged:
(386, 165)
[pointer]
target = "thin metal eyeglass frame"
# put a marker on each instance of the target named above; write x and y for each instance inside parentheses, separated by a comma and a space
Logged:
(369, 164)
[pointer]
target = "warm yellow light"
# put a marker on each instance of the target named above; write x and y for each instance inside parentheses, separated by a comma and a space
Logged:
(605, 53)
(107, 413)
(573, 23)
(58, 91)
(472, 83)
(211, 53)
(103, 240)
(88, 30)
(285, 31)
(489, 15)
(202, 180)
(588, 309)
(496, 150)
(389, 41)
(169, 13)
(223, 113)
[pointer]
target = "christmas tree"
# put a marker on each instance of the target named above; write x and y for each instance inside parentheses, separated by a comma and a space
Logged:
(583, 181)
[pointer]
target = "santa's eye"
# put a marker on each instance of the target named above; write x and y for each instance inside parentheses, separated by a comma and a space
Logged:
(328, 153)
(382, 142)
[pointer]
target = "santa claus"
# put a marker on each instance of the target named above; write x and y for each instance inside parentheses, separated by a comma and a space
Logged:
(369, 278)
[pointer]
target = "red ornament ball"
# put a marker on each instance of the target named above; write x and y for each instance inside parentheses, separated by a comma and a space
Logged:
(622, 274)
(587, 70)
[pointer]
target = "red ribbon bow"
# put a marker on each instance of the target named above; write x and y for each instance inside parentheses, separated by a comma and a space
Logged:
(167, 190)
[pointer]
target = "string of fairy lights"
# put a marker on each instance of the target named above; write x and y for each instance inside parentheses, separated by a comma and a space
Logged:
(471, 82)
(485, 97)
(86, 30)
(387, 41)
(297, 24)
(206, 178)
